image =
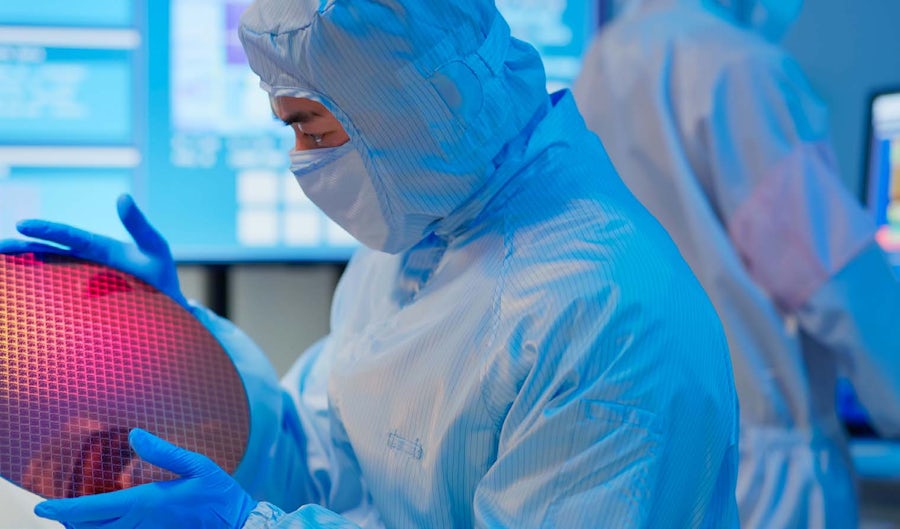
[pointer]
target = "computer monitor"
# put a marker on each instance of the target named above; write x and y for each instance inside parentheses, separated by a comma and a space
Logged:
(881, 183)
(154, 98)
(881, 197)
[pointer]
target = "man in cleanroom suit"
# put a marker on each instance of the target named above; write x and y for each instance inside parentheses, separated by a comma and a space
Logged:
(718, 133)
(519, 343)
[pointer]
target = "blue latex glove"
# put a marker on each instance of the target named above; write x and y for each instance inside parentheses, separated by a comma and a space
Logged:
(149, 259)
(204, 497)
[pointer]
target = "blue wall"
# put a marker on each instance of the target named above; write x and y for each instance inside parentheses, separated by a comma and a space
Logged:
(848, 49)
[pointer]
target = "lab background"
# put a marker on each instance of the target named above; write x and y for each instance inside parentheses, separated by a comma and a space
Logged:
(185, 129)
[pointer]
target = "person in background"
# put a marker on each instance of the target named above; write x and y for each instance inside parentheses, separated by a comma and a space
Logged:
(518, 343)
(716, 130)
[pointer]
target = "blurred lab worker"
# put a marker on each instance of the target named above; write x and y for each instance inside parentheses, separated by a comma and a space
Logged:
(715, 129)
(518, 344)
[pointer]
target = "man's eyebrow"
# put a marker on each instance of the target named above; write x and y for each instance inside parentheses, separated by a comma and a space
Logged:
(301, 117)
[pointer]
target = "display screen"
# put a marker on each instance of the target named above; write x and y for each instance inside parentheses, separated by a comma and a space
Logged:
(103, 97)
(881, 195)
(883, 179)
(72, 110)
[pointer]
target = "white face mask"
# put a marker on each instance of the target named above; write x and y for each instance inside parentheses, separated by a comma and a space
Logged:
(336, 180)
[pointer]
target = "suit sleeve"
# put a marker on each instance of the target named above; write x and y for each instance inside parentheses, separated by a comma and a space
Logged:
(775, 180)
(856, 314)
(801, 235)
(297, 454)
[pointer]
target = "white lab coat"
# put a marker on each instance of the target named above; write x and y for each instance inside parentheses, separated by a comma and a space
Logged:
(718, 133)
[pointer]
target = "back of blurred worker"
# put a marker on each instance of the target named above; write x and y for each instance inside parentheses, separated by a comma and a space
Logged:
(716, 131)
(518, 345)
